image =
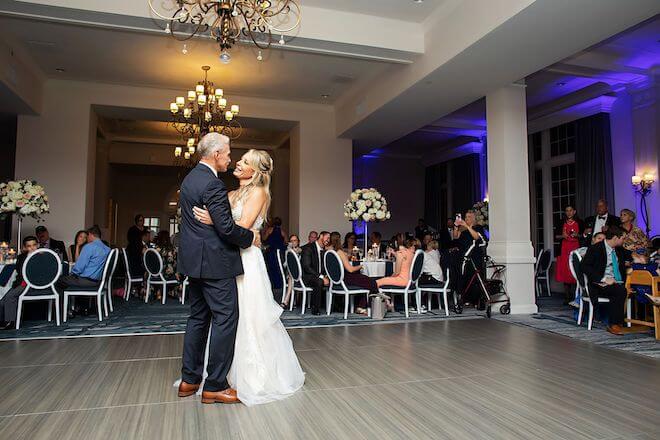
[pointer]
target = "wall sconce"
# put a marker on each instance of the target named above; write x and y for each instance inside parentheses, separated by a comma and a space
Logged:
(642, 186)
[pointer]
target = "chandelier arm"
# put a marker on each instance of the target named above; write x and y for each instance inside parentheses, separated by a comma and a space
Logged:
(267, 17)
(163, 16)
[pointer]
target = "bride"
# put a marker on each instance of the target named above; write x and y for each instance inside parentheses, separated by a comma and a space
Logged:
(265, 367)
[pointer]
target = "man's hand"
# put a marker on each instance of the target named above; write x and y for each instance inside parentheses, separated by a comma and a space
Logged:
(326, 281)
(257, 238)
(459, 222)
(202, 215)
(609, 281)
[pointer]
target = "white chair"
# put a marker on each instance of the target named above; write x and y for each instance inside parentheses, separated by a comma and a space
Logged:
(280, 266)
(543, 263)
(41, 270)
(415, 273)
(108, 297)
(184, 287)
(130, 278)
(153, 262)
(293, 264)
(335, 270)
(96, 292)
(437, 289)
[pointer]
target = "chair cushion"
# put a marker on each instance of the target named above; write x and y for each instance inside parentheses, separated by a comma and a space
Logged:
(91, 288)
(432, 286)
(393, 287)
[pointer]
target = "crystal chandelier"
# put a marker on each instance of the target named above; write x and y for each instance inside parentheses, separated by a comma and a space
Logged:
(202, 111)
(226, 21)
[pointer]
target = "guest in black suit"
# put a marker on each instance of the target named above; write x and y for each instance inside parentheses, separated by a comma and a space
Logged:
(446, 235)
(9, 302)
(49, 243)
(599, 222)
(209, 256)
(377, 239)
(604, 266)
(313, 273)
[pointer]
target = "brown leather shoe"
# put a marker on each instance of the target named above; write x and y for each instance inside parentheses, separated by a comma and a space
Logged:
(616, 330)
(187, 389)
(224, 396)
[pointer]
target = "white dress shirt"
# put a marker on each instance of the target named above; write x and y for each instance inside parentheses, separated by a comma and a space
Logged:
(599, 223)
(318, 251)
(609, 268)
(431, 265)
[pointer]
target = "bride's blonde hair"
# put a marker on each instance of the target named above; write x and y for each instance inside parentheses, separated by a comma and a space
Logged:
(262, 164)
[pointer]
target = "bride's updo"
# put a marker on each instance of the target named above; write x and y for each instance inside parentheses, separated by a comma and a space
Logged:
(262, 164)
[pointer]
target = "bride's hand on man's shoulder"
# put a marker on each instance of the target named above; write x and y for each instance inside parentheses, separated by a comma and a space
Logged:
(202, 215)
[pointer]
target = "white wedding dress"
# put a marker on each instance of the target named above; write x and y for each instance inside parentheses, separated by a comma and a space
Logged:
(265, 366)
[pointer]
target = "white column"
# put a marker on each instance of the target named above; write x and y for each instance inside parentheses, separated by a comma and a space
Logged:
(508, 192)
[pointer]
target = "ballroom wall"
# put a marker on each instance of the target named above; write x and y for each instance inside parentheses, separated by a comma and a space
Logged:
(55, 149)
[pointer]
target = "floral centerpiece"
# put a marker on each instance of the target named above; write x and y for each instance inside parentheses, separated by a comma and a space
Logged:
(481, 213)
(368, 205)
(23, 198)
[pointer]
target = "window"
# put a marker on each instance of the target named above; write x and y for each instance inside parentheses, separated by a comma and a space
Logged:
(538, 192)
(562, 140)
(174, 226)
(153, 224)
(563, 194)
(537, 146)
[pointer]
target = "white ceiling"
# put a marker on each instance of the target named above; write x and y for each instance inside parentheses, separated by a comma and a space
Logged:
(157, 61)
(406, 10)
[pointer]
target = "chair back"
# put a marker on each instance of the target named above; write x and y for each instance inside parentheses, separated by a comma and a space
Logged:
(293, 264)
(640, 278)
(417, 266)
(153, 262)
(545, 260)
(334, 267)
(42, 268)
(574, 262)
(108, 268)
(125, 258)
(280, 265)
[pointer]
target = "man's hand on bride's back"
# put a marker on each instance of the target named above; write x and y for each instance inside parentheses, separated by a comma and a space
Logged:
(257, 238)
(202, 215)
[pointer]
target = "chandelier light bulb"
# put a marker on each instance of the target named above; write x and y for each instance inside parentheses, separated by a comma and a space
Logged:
(208, 117)
(185, 49)
(191, 150)
(201, 100)
(649, 178)
(222, 103)
(191, 142)
(234, 109)
(225, 58)
(177, 151)
(636, 180)
(174, 108)
(180, 101)
(199, 89)
(186, 155)
(192, 95)
(219, 93)
(187, 113)
(229, 116)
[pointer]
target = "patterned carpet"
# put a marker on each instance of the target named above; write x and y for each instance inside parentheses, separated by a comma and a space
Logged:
(136, 317)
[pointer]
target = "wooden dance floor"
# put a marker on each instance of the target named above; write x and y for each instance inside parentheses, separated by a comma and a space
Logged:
(462, 379)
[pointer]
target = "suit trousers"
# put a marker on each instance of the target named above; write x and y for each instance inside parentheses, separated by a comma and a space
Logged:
(9, 304)
(214, 306)
(318, 291)
(617, 295)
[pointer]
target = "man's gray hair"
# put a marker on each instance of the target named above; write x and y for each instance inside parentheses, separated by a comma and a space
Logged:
(211, 143)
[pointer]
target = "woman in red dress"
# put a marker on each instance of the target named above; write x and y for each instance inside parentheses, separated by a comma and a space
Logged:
(569, 235)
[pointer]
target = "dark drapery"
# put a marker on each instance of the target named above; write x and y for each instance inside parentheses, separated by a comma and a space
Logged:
(593, 162)
(464, 185)
(7, 162)
(466, 182)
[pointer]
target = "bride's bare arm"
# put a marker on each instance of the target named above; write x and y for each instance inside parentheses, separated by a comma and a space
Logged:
(252, 207)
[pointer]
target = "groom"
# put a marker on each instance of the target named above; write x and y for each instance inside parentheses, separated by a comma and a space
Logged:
(209, 256)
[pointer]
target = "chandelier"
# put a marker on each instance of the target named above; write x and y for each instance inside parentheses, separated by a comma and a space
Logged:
(226, 21)
(202, 111)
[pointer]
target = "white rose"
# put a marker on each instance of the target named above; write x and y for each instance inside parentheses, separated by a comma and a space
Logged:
(388, 215)
(380, 215)
(366, 217)
(377, 204)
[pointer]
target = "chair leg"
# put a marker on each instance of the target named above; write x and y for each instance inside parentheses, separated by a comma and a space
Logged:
(368, 306)
(405, 304)
(50, 310)
(110, 299)
(328, 304)
(292, 300)
(98, 307)
(104, 297)
(18, 313)
(164, 292)
(591, 316)
(352, 304)
(65, 307)
(304, 301)
(428, 300)
(418, 301)
(580, 311)
(629, 312)
(444, 295)
(146, 293)
(127, 288)
(346, 300)
(57, 310)
(547, 282)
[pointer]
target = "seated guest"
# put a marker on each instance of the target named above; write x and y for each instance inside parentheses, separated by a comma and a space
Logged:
(88, 270)
(635, 238)
(313, 272)
(335, 237)
(599, 222)
(294, 244)
(312, 237)
(76, 247)
(147, 239)
(426, 240)
(641, 261)
(604, 267)
(49, 243)
(377, 240)
(431, 270)
(404, 257)
(274, 239)
(353, 277)
(597, 238)
(167, 251)
(350, 241)
(9, 302)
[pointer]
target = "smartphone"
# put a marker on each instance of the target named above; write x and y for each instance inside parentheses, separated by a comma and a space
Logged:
(459, 216)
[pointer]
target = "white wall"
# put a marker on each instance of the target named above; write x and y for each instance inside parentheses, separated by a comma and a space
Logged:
(54, 148)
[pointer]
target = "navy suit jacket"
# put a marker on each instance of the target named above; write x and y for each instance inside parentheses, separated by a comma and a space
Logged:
(209, 252)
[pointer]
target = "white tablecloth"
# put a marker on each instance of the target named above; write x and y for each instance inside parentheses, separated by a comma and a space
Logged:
(374, 269)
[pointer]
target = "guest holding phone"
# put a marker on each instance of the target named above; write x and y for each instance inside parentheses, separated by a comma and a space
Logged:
(604, 266)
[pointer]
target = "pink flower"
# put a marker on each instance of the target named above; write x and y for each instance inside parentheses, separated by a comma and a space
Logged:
(27, 196)
(20, 203)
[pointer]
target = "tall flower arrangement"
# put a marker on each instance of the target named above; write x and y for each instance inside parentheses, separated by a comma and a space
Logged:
(368, 205)
(481, 213)
(24, 198)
